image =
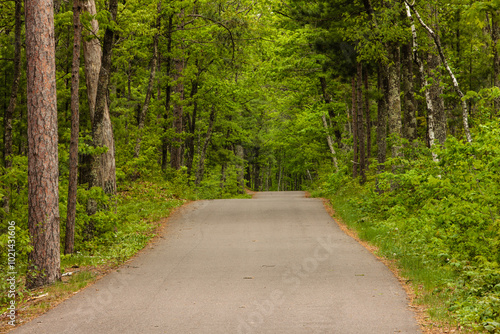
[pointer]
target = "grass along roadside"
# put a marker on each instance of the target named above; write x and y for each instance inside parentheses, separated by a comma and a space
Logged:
(428, 285)
(142, 210)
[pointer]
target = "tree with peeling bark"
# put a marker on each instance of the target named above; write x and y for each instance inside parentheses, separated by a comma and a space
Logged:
(103, 166)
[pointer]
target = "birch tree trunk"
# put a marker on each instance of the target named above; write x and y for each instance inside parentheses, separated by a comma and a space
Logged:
(325, 125)
(43, 169)
(437, 42)
(423, 79)
(436, 92)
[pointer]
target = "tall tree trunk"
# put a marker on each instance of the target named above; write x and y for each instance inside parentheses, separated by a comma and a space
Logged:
(192, 127)
(168, 95)
(354, 130)
(437, 42)
(149, 91)
(103, 172)
(179, 63)
(394, 104)
(361, 130)
(410, 119)
(9, 112)
(43, 170)
(423, 80)
(382, 117)
(201, 163)
(436, 92)
(495, 31)
(368, 121)
(69, 243)
(325, 125)
(240, 168)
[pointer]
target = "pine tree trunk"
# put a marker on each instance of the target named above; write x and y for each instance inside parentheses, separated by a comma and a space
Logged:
(69, 243)
(43, 168)
(9, 112)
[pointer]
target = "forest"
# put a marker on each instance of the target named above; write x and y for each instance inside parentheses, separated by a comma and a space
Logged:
(388, 108)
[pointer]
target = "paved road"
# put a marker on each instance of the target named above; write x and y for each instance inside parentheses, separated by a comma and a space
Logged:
(273, 264)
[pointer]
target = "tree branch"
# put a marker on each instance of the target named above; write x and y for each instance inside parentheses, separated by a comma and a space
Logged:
(221, 24)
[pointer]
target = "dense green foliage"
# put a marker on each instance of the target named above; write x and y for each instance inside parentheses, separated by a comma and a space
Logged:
(271, 95)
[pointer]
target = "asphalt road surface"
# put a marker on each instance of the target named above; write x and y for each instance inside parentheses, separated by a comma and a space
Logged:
(274, 264)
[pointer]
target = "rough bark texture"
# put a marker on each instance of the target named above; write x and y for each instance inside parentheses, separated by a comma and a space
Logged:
(9, 112)
(104, 168)
(43, 173)
(75, 124)
(361, 130)
(410, 119)
(394, 103)
(436, 91)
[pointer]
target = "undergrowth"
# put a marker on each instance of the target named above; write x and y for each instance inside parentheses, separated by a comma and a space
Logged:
(124, 224)
(439, 220)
